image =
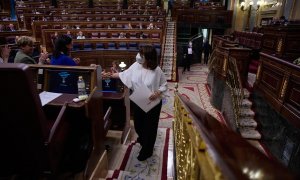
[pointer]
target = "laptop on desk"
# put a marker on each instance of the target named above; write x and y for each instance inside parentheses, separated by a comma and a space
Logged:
(110, 85)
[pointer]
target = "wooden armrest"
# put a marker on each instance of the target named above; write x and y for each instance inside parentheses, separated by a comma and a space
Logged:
(59, 118)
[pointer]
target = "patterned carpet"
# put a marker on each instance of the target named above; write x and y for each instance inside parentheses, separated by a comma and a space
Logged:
(153, 168)
(193, 85)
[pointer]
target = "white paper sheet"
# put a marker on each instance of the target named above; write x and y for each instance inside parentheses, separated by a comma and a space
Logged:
(140, 96)
(48, 96)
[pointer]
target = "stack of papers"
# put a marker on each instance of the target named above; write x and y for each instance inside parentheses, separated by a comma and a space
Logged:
(140, 97)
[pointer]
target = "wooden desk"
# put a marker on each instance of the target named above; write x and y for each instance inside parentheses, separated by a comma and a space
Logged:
(120, 115)
(118, 101)
(82, 113)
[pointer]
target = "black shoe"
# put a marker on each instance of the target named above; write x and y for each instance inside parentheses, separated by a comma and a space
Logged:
(143, 156)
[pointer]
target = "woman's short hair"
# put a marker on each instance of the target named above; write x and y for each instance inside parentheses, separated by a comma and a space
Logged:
(60, 45)
(150, 54)
(24, 41)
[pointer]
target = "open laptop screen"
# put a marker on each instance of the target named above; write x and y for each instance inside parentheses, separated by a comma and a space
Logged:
(110, 85)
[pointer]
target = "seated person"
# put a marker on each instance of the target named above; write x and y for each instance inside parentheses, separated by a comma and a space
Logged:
(5, 51)
(69, 34)
(142, 35)
(24, 54)
(140, 26)
(11, 27)
(115, 67)
(128, 26)
(80, 35)
(2, 28)
(62, 47)
(151, 19)
(122, 36)
(150, 26)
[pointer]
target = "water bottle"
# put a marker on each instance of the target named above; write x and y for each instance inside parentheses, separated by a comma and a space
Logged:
(81, 86)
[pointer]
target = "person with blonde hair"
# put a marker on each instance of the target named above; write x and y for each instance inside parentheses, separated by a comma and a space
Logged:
(24, 55)
(115, 67)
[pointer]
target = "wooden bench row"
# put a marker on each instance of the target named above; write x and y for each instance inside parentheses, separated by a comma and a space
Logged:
(100, 3)
(29, 18)
(6, 23)
(251, 40)
(109, 43)
(38, 26)
(87, 11)
(42, 9)
(9, 37)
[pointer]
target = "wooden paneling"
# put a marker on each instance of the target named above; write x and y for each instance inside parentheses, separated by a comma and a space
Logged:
(205, 18)
(279, 82)
(105, 58)
(242, 56)
(37, 26)
(282, 41)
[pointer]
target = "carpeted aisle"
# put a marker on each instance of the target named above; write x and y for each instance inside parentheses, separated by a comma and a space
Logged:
(193, 85)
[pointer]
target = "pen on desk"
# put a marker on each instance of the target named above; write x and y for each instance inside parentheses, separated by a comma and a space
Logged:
(149, 102)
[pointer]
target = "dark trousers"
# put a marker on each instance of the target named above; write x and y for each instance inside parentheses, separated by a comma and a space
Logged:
(206, 55)
(187, 62)
(145, 125)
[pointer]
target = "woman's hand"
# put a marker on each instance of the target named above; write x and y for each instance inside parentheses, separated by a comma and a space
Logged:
(155, 95)
(106, 75)
(114, 75)
(77, 60)
(44, 58)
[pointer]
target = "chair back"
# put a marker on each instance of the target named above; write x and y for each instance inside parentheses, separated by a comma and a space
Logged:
(23, 124)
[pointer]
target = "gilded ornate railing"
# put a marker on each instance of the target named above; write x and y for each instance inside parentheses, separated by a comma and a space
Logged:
(233, 80)
(212, 59)
(192, 158)
(207, 150)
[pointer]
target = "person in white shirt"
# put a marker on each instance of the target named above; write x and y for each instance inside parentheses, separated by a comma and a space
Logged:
(145, 70)
(80, 35)
(189, 57)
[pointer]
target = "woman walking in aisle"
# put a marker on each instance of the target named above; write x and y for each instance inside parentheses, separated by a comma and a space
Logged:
(145, 71)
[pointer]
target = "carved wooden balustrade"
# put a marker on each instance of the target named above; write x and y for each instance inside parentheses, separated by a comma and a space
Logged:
(279, 81)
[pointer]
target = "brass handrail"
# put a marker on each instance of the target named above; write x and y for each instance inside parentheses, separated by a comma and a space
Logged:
(212, 59)
(207, 150)
(193, 159)
(234, 82)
